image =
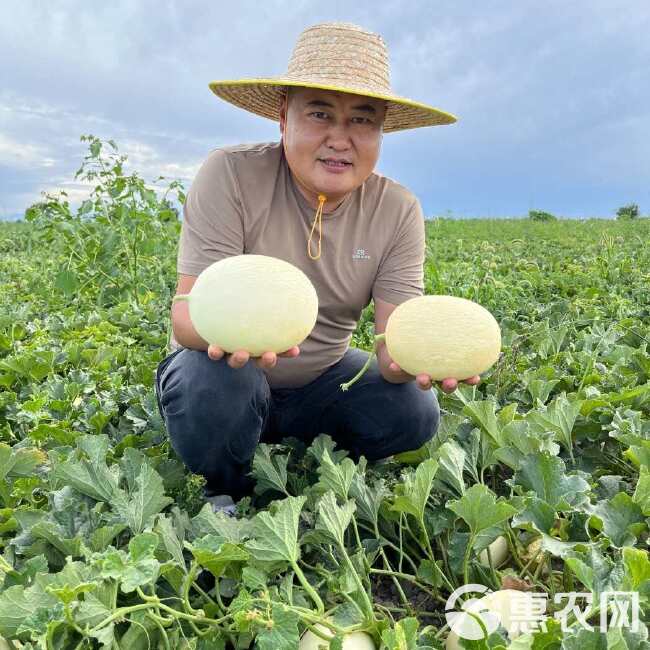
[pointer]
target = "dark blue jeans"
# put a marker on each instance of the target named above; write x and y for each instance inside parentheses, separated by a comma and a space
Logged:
(216, 415)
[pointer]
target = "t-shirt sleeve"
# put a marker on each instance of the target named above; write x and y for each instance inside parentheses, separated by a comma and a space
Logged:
(401, 272)
(212, 227)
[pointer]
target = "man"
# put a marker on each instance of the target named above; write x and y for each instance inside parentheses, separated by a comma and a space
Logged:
(314, 200)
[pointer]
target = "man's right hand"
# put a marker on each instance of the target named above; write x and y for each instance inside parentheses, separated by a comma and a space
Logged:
(240, 358)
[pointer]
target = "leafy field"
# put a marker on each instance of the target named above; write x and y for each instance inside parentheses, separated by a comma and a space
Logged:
(106, 542)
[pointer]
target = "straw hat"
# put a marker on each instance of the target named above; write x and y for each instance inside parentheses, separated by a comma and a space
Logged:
(334, 56)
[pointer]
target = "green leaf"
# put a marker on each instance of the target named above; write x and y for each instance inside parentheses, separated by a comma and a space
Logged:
(142, 634)
(275, 536)
(19, 462)
(54, 534)
(91, 611)
(270, 470)
(69, 593)
(239, 607)
(547, 638)
(558, 548)
(547, 476)
(621, 520)
(483, 414)
(143, 546)
(37, 623)
(584, 639)
(66, 281)
(213, 640)
(336, 477)
(429, 572)
(614, 638)
(639, 454)
(282, 634)
(451, 459)
(105, 635)
(415, 490)
(537, 515)
(134, 569)
(89, 474)
(368, 499)
(560, 417)
(216, 555)
(172, 544)
(103, 536)
(481, 453)
(597, 572)
(130, 464)
(520, 442)
(637, 566)
(333, 519)
(17, 603)
(625, 638)
(642, 492)
(480, 510)
(540, 389)
(230, 528)
(404, 636)
(322, 443)
(254, 579)
(139, 506)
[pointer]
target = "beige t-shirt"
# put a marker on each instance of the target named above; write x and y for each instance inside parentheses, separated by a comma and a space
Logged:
(244, 200)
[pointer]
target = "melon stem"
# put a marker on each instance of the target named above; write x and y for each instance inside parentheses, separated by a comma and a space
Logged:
(380, 338)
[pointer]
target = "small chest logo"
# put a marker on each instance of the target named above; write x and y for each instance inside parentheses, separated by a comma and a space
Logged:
(360, 254)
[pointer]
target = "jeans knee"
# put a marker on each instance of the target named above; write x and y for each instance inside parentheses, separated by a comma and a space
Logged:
(430, 418)
(424, 418)
(208, 402)
(204, 379)
(214, 415)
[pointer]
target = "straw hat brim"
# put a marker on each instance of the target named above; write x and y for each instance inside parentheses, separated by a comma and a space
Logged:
(263, 97)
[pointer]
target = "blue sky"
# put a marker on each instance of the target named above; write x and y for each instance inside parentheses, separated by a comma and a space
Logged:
(553, 97)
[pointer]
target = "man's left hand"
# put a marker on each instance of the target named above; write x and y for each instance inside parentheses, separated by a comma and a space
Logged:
(425, 382)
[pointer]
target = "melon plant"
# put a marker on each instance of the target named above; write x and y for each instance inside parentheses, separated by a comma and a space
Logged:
(255, 303)
(442, 336)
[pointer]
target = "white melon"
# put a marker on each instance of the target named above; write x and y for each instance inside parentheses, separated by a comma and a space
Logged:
(352, 641)
(443, 336)
(513, 610)
(255, 303)
(498, 552)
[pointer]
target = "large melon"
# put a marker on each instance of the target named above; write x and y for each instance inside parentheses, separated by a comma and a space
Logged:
(443, 336)
(255, 303)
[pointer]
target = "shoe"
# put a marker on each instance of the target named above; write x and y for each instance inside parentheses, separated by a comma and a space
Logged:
(223, 503)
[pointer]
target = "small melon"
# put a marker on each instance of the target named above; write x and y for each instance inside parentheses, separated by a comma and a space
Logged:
(352, 641)
(507, 607)
(498, 552)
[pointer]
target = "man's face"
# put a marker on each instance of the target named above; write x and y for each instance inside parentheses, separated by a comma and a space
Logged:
(320, 127)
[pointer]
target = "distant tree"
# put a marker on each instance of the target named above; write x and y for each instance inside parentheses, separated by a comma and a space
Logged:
(540, 215)
(630, 211)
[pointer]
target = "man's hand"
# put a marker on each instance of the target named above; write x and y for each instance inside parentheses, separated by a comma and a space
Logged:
(425, 382)
(240, 358)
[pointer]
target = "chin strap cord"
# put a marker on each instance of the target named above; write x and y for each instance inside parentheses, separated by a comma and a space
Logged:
(318, 219)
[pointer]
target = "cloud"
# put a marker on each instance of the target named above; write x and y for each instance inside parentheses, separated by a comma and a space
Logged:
(22, 155)
(552, 98)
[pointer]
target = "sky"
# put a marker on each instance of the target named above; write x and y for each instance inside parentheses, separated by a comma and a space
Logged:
(553, 97)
